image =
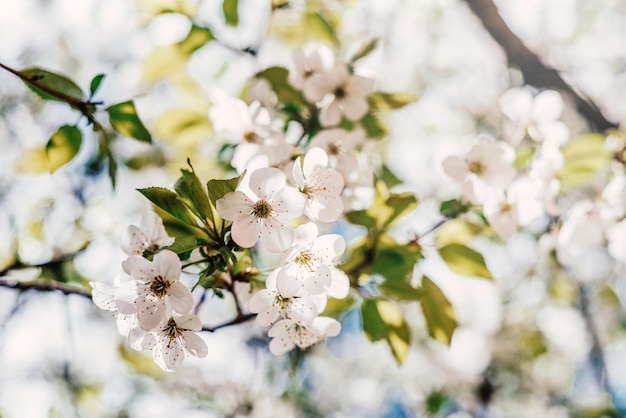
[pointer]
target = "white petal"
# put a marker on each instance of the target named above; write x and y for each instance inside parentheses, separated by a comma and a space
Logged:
(180, 297)
(288, 284)
(233, 205)
(340, 284)
(103, 296)
(195, 345)
(168, 265)
(265, 182)
(245, 231)
(296, 172)
(547, 106)
(134, 241)
(125, 297)
(261, 300)
(276, 234)
(326, 326)
(168, 354)
(139, 268)
(330, 115)
(139, 339)
(281, 344)
(355, 107)
(289, 203)
(456, 168)
(150, 311)
(188, 321)
(315, 157)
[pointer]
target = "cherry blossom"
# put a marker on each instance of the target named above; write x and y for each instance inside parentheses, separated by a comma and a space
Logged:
(341, 147)
(344, 94)
(287, 333)
(270, 305)
(171, 341)
(321, 186)
(308, 74)
(310, 265)
(153, 283)
(537, 116)
(264, 211)
(103, 296)
(487, 166)
(150, 236)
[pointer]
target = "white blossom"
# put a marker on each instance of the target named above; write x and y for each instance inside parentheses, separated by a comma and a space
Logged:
(321, 185)
(171, 341)
(153, 283)
(150, 236)
(264, 211)
(310, 265)
(287, 334)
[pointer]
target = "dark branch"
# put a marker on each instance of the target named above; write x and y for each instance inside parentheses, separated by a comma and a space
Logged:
(237, 320)
(535, 71)
(45, 286)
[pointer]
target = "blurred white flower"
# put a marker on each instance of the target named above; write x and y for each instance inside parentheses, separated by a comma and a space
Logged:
(287, 333)
(307, 67)
(537, 116)
(264, 212)
(310, 265)
(152, 284)
(321, 185)
(150, 236)
(171, 341)
(485, 169)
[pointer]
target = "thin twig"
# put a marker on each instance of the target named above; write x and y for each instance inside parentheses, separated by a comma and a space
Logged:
(45, 286)
(236, 320)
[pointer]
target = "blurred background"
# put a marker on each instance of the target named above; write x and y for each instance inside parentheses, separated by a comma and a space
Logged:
(523, 348)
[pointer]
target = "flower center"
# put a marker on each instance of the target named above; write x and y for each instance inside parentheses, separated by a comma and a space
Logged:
(251, 137)
(172, 331)
(340, 92)
(476, 167)
(261, 209)
(159, 286)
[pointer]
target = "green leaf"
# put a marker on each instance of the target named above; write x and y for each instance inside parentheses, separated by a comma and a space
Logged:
(364, 51)
(400, 290)
(190, 187)
(53, 81)
(400, 203)
(438, 311)
(360, 217)
(124, 119)
(318, 28)
(390, 101)
(582, 159)
(388, 177)
(463, 260)
(277, 77)
(218, 188)
(170, 203)
(383, 319)
(394, 261)
(374, 127)
(229, 7)
(62, 146)
(197, 37)
(336, 308)
(95, 84)
(453, 208)
(183, 246)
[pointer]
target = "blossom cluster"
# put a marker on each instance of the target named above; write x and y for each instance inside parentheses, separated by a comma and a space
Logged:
(290, 190)
(151, 305)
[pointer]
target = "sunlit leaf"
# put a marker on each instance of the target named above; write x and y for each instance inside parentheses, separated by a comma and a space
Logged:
(53, 81)
(382, 319)
(336, 308)
(183, 246)
(453, 208)
(438, 311)
(458, 231)
(148, 9)
(390, 101)
(400, 290)
(190, 187)
(229, 7)
(169, 202)
(197, 37)
(394, 261)
(218, 188)
(582, 159)
(364, 51)
(124, 119)
(318, 28)
(463, 260)
(360, 217)
(401, 204)
(63, 146)
(374, 127)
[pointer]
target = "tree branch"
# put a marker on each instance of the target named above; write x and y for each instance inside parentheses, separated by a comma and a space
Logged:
(237, 320)
(535, 71)
(45, 286)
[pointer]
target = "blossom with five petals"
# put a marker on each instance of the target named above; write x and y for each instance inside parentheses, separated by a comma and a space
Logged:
(264, 211)
(153, 283)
